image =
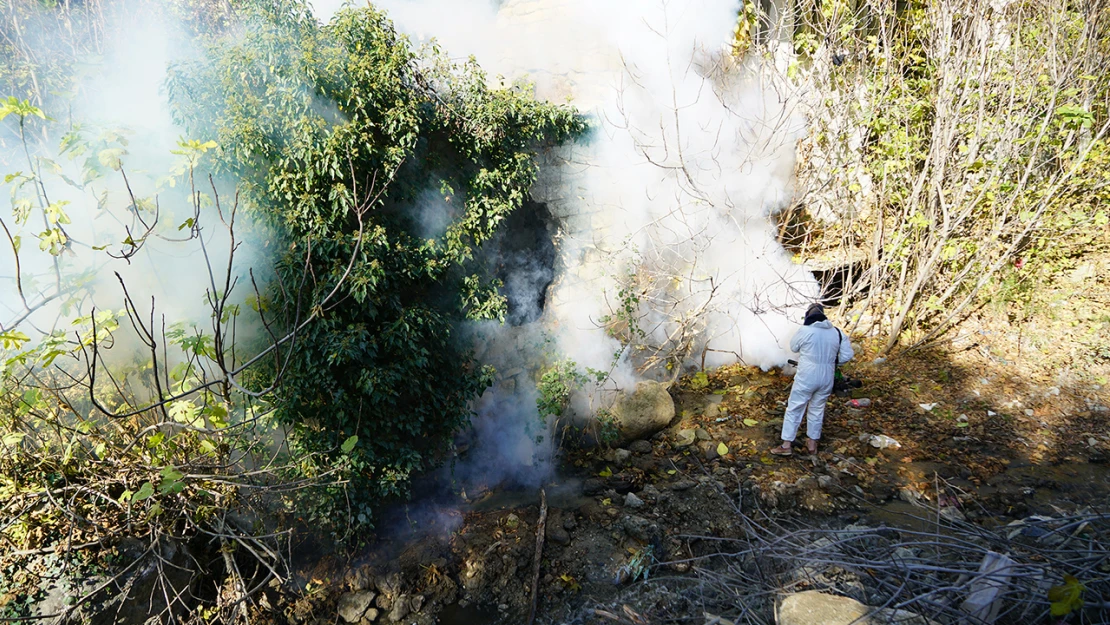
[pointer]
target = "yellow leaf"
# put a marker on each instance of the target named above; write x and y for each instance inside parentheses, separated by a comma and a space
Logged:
(722, 449)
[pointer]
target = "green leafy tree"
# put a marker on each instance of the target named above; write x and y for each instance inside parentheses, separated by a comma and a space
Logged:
(334, 133)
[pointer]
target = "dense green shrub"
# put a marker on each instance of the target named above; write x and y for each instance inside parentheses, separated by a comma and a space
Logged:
(334, 133)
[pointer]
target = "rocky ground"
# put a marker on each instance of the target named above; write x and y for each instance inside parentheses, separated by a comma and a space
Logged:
(977, 450)
(978, 445)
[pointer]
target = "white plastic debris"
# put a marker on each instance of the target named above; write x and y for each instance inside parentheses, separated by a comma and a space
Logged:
(989, 587)
(882, 441)
(928, 407)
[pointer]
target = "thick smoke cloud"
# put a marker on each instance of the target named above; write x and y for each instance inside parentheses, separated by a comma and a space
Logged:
(120, 184)
(690, 155)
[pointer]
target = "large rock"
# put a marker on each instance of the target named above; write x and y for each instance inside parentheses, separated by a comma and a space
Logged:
(355, 604)
(643, 412)
(813, 608)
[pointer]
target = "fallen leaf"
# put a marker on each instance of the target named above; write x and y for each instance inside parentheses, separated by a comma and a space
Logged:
(722, 449)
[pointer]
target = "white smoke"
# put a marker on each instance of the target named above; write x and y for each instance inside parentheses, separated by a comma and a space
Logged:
(120, 111)
(689, 156)
(686, 162)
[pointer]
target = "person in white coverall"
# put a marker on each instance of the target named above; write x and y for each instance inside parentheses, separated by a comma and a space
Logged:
(822, 348)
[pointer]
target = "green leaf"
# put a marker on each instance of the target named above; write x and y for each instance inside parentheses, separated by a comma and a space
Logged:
(699, 381)
(349, 444)
(13, 339)
(112, 158)
(145, 491)
(722, 449)
(171, 488)
(606, 472)
(12, 439)
(751, 422)
(1067, 597)
(170, 473)
(184, 411)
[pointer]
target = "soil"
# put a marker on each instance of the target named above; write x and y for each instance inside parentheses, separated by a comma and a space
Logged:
(980, 441)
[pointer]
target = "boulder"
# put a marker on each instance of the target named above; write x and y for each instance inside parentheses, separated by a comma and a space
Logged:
(401, 609)
(354, 604)
(640, 447)
(812, 607)
(645, 411)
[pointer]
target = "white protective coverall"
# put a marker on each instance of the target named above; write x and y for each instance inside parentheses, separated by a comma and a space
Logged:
(817, 344)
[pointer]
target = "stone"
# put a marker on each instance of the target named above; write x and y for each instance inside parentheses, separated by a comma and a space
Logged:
(620, 456)
(825, 482)
(643, 412)
(632, 501)
(702, 434)
(812, 607)
(359, 579)
(640, 447)
(416, 603)
(806, 483)
(646, 463)
(683, 485)
(903, 554)
(371, 615)
(555, 529)
(353, 605)
(557, 535)
(512, 521)
(619, 484)
(592, 486)
(639, 528)
(708, 450)
(388, 586)
(686, 438)
(400, 608)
